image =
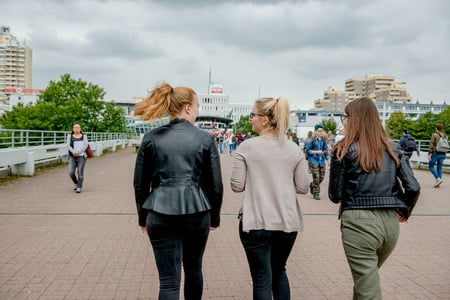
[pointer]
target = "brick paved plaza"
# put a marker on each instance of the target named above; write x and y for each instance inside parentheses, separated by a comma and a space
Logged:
(56, 244)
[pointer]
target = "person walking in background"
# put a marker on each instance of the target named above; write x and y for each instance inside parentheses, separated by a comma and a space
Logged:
(408, 145)
(295, 139)
(222, 138)
(341, 135)
(305, 143)
(77, 143)
(271, 170)
(437, 151)
(178, 189)
(317, 150)
(331, 138)
(232, 142)
(365, 175)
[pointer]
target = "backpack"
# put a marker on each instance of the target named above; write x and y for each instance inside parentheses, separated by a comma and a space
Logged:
(442, 145)
(410, 144)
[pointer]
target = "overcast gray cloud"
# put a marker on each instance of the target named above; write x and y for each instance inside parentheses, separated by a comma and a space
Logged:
(295, 49)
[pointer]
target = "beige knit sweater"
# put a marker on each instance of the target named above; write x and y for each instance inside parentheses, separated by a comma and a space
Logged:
(270, 171)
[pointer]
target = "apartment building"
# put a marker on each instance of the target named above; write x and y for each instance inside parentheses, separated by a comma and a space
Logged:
(15, 64)
(333, 100)
(379, 88)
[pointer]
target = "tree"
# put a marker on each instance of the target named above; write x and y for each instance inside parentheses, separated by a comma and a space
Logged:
(421, 129)
(244, 126)
(424, 126)
(64, 103)
(329, 124)
(396, 123)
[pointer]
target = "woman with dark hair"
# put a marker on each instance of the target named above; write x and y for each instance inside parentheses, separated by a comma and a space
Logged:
(376, 190)
(77, 143)
(271, 170)
(178, 189)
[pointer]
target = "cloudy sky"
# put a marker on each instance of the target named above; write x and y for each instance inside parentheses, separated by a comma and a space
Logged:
(295, 49)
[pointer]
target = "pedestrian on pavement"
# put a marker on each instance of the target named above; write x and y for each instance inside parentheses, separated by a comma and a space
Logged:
(232, 142)
(317, 150)
(331, 138)
(271, 170)
(341, 135)
(77, 143)
(408, 145)
(437, 153)
(365, 176)
(178, 188)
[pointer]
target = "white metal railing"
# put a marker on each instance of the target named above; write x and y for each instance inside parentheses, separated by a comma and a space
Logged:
(14, 138)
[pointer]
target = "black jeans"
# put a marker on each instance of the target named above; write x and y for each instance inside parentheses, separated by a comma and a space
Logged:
(267, 253)
(176, 239)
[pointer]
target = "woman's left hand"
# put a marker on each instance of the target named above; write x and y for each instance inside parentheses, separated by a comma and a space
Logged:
(402, 219)
(144, 229)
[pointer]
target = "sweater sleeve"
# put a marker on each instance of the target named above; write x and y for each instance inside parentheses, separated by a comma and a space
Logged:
(85, 143)
(302, 178)
(69, 137)
(238, 172)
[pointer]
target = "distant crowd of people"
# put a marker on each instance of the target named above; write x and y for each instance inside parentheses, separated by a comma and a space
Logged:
(178, 188)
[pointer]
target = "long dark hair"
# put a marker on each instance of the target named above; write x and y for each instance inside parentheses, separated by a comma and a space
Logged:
(365, 129)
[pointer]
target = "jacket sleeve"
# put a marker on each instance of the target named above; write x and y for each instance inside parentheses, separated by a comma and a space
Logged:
(142, 179)
(335, 186)
(213, 186)
(302, 178)
(433, 143)
(410, 186)
(309, 145)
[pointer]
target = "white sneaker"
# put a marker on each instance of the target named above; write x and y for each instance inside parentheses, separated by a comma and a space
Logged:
(438, 182)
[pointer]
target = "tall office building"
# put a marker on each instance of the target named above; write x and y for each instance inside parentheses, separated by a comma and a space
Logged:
(15, 64)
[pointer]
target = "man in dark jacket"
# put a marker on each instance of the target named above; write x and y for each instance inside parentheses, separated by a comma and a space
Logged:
(408, 145)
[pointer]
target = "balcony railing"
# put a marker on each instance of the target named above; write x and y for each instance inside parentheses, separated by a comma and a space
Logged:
(14, 138)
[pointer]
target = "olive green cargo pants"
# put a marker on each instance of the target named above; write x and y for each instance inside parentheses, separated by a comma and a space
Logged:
(369, 236)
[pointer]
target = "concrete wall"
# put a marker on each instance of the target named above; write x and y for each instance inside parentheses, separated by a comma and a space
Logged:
(24, 160)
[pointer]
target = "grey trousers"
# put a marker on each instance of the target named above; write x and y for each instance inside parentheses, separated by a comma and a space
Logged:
(369, 236)
(77, 164)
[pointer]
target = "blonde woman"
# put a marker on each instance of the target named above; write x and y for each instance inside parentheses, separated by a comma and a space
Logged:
(178, 189)
(270, 169)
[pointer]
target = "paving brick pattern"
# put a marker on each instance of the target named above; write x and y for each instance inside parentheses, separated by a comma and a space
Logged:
(56, 244)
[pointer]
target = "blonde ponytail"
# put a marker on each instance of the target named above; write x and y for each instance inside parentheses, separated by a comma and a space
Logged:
(278, 112)
(164, 100)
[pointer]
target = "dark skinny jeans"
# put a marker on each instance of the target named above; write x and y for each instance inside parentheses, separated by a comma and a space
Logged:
(267, 253)
(77, 164)
(179, 239)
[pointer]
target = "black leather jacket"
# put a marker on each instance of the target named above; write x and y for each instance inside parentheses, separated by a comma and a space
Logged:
(177, 172)
(392, 187)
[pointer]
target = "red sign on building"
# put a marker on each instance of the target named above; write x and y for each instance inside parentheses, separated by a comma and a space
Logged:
(23, 91)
